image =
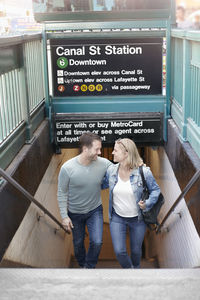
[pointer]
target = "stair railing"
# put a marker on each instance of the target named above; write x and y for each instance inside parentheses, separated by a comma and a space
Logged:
(183, 193)
(17, 186)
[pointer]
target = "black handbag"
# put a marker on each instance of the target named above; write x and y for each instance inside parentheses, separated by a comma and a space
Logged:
(150, 217)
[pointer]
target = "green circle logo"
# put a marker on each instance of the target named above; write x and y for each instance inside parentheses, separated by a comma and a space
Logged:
(62, 62)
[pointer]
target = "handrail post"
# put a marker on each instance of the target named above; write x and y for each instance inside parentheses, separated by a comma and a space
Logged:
(186, 87)
(26, 99)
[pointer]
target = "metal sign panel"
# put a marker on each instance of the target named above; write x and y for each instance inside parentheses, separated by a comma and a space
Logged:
(10, 58)
(142, 128)
(59, 10)
(107, 67)
(58, 6)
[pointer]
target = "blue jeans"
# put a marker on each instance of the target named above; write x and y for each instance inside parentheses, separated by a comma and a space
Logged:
(118, 229)
(94, 222)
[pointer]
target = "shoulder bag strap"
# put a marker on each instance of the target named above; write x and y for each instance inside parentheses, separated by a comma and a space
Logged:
(143, 179)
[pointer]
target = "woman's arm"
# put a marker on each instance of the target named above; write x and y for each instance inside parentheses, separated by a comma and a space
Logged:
(153, 188)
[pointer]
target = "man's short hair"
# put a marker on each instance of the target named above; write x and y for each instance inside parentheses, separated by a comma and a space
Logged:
(87, 139)
(179, 7)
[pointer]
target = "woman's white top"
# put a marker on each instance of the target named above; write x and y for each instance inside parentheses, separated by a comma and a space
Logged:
(124, 201)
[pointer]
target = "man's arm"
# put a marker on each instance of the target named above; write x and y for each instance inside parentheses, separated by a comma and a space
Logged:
(105, 183)
(62, 195)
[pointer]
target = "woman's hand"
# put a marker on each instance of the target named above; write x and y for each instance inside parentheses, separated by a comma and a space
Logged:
(142, 204)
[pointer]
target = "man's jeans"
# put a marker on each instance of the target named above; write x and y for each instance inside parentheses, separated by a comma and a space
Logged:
(94, 222)
(118, 229)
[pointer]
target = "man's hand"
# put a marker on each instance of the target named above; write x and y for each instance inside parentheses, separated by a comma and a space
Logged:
(67, 223)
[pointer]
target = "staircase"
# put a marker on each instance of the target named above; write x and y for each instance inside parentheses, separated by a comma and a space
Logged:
(113, 264)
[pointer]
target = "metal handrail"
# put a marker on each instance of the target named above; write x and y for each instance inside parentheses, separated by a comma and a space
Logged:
(183, 193)
(32, 199)
(17, 186)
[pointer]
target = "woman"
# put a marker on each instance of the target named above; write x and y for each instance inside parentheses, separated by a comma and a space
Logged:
(125, 205)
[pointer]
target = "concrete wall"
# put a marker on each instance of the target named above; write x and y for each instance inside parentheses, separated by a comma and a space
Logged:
(178, 244)
(37, 242)
(185, 162)
(27, 169)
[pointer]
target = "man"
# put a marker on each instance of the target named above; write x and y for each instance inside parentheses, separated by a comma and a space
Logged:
(79, 198)
(182, 23)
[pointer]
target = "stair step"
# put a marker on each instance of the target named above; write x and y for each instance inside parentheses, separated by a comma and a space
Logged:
(113, 264)
(98, 284)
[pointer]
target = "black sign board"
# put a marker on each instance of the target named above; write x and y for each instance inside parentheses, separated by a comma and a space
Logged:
(107, 67)
(143, 129)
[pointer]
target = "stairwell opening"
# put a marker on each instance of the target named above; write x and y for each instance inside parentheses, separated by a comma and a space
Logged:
(107, 258)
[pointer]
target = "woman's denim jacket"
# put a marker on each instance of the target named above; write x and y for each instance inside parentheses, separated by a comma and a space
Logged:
(111, 179)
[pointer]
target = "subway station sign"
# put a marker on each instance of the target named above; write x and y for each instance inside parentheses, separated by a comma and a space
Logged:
(142, 128)
(106, 67)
